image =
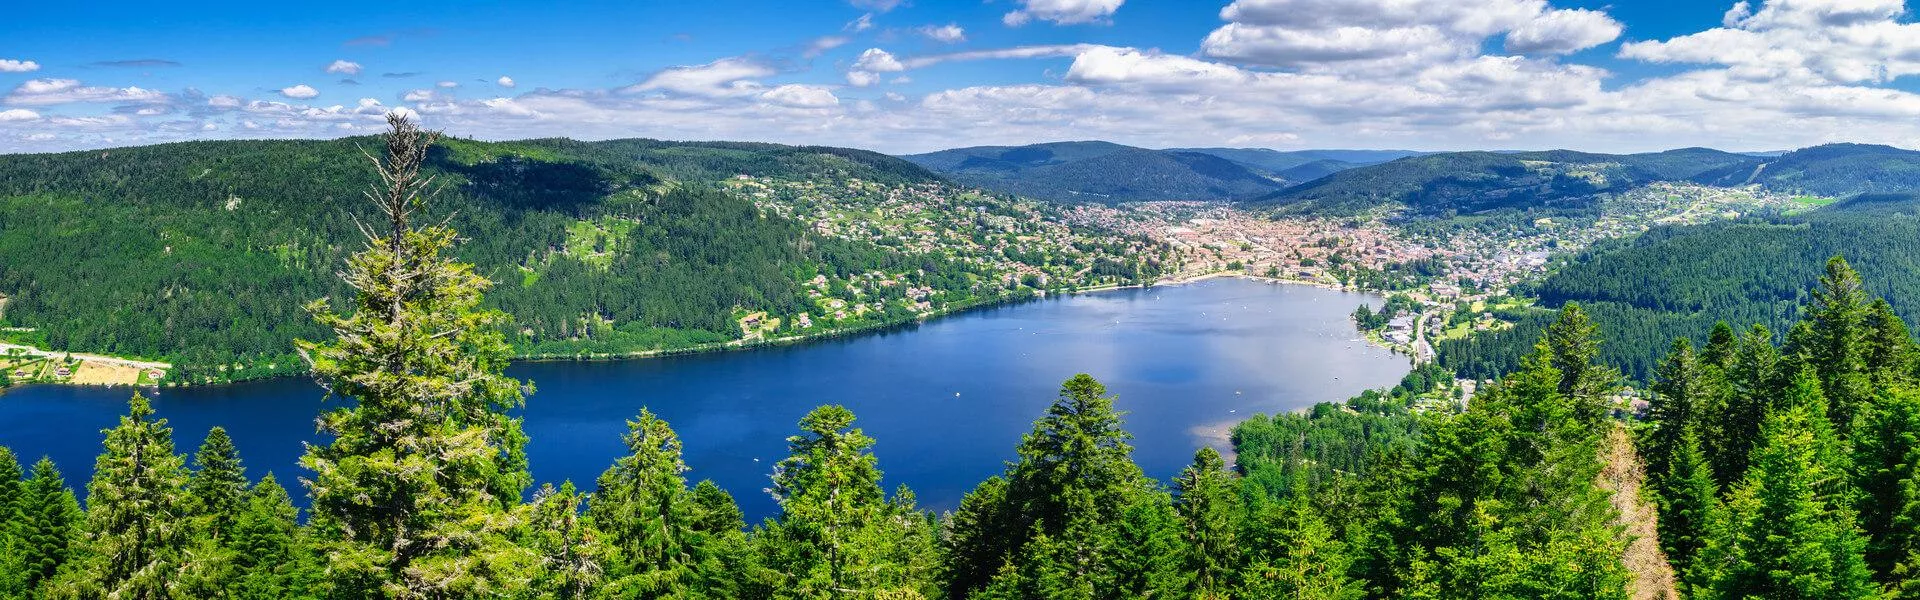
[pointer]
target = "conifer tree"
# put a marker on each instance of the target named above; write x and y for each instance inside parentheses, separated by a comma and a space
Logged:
(410, 496)
(1788, 531)
(1572, 345)
(1145, 554)
(134, 532)
(217, 488)
(1678, 388)
(1890, 352)
(1209, 509)
(47, 524)
(572, 552)
(1886, 458)
(1838, 348)
(266, 545)
(1301, 559)
(12, 487)
(1729, 432)
(1721, 342)
(1688, 498)
(837, 530)
(643, 508)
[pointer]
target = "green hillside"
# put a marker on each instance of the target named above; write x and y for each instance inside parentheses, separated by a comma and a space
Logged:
(1677, 281)
(203, 253)
(1832, 170)
(1099, 172)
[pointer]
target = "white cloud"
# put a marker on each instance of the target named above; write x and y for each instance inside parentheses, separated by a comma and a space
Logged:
(1800, 41)
(863, 23)
(299, 92)
(724, 77)
(418, 95)
(505, 81)
(1563, 31)
(225, 102)
(18, 114)
(804, 96)
(344, 67)
(448, 84)
(950, 33)
(1017, 52)
(821, 45)
(43, 92)
(1062, 12)
(862, 78)
(8, 65)
(877, 60)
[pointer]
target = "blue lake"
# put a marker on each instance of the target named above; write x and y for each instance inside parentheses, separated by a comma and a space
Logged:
(947, 400)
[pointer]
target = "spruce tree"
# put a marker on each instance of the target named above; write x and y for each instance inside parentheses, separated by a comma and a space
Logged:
(47, 526)
(1789, 531)
(1688, 498)
(1890, 354)
(134, 533)
(1573, 343)
(217, 489)
(572, 553)
(1720, 346)
(1677, 389)
(1838, 349)
(837, 531)
(1729, 433)
(1148, 553)
(1209, 508)
(1886, 457)
(12, 488)
(266, 544)
(646, 514)
(1303, 558)
(410, 496)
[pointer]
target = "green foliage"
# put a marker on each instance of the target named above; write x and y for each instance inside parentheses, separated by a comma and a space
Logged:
(1098, 172)
(134, 535)
(46, 529)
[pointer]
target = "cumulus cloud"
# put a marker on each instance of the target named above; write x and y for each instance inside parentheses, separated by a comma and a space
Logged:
(1800, 41)
(1563, 31)
(299, 92)
(1396, 34)
(8, 65)
(950, 33)
(343, 67)
(505, 81)
(1062, 12)
(448, 84)
(18, 114)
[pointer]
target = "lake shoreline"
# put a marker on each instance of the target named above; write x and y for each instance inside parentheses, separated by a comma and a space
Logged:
(744, 345)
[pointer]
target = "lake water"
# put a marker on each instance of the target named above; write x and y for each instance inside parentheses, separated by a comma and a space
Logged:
(947, 400)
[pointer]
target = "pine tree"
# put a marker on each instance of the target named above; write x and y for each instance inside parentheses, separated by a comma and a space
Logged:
(410, 496)
(47, 525)
(1304, 561)
(1890, 353)
(572, 552)
(134, 533)
(1839, 344)
(1147, 553)
(12, 489)
(1728, 434)
(1688, 498)
(1078, 449)
(1572, 343)
(1209, 509)
(977, 545)
(836, 529)
(1789, 531)
(644, 510)
(1720, 346)
(216, 491)
(266, 544)
(1678, 387)
(1886, 456)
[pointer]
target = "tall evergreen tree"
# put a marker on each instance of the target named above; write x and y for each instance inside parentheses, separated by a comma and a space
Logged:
(647, 515)
(1209, 509)
(217, 489)
(1840, 336)
(1720, 346)
(1890, 353)
(410, 494)
(134, 532)
(1789, 531)
(1145, 554)
(267, 545)
(837, 531)
(1886, 457)
(1573, 349)
(1730, 428)
(12, 487)
(572, 553)
(1678, 388)
(1688, 498)
(47, 526)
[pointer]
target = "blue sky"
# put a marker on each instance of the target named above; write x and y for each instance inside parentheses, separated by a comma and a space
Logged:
(916, 75)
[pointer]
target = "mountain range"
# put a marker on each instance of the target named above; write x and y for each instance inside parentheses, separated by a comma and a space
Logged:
(1340, 182)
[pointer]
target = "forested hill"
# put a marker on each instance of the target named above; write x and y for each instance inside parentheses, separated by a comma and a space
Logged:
(1472, 182)
(1100, 172)
(1832, 170)
(203, 253)
(1677, 281)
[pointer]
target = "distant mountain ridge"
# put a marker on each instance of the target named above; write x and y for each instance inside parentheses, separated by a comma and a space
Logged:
(1095, 171)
